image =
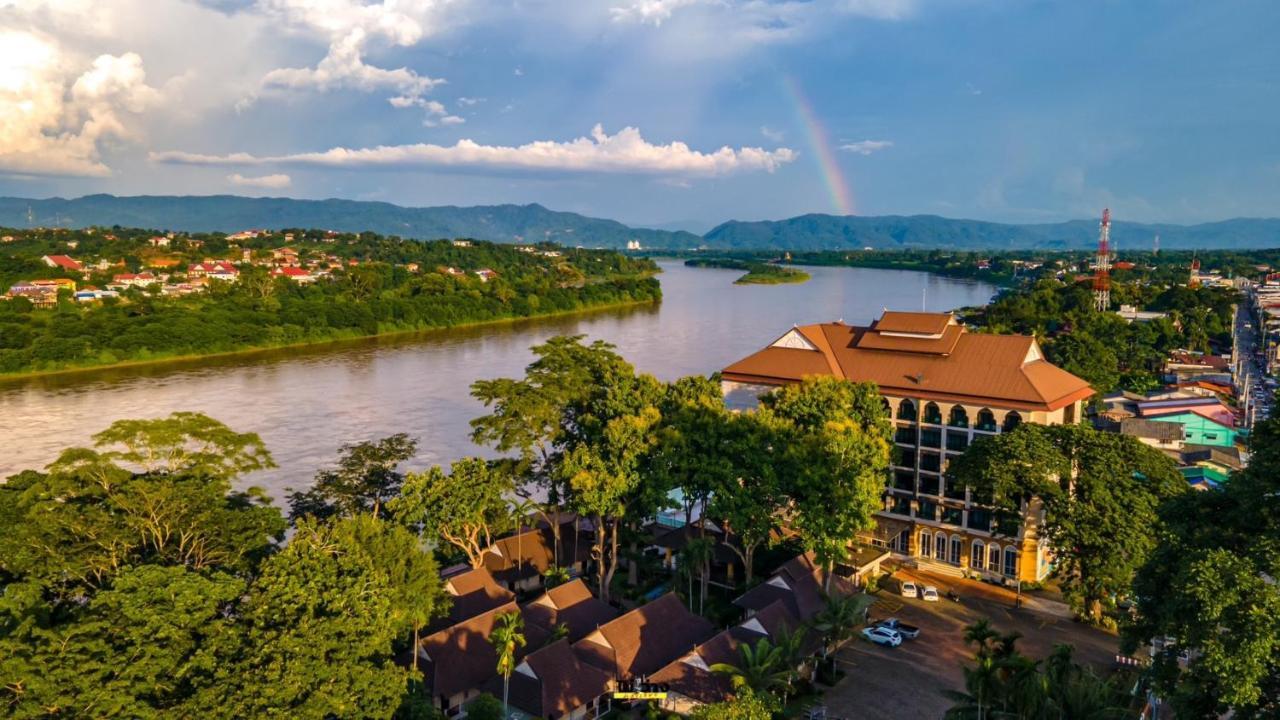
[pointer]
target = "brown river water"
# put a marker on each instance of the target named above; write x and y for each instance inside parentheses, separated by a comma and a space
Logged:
(306, 403)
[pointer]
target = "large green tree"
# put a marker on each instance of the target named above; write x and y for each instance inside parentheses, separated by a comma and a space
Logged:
(1100, 493)
(367, 476)
(838, 445)
(467, 508)
(1211, 587)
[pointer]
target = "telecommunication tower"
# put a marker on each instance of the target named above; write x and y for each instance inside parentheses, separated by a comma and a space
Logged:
(1102, 266)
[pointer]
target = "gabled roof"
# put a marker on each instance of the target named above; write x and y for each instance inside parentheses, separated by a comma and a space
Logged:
(553, 681)
(572, 605)
(461, 658)
(528, 553)
(66, 262)
(473, 592)
(798, 584)
(924, 355)
(645, 639)
(691, 674)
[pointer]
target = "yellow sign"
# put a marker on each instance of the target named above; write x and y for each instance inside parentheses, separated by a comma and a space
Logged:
(639, 696)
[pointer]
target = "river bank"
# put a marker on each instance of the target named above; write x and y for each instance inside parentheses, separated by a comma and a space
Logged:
(335, 342)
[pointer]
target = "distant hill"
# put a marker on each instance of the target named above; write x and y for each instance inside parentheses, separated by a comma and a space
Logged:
(230, 213)
(830, 232)
(534, 223)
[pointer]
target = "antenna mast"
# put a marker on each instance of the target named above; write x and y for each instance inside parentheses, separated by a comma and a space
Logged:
(1102, 266)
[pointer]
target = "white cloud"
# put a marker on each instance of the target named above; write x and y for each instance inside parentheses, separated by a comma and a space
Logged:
(58, 109)
(625, 152)
(519, 72)
(445, 120)
(272, 182)
(771, 134)
(652, 12)
(349, 26)
(866, 147)
(469, 101)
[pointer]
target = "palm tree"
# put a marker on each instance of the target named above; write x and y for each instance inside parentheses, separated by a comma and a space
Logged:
(507, 636)
(762, 669)
(980, 634)
(554, 577)
(790, 644)
(839, 619)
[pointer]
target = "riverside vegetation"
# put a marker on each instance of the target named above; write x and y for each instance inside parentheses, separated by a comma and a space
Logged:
(367, 285)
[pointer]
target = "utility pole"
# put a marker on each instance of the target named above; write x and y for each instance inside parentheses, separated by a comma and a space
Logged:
(1102, 266)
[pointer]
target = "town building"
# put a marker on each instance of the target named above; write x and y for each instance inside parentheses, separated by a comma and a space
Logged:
(944, 388)
(214, 270)
(63, 262)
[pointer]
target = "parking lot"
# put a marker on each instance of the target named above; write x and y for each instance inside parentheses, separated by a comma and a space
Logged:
(907, 681)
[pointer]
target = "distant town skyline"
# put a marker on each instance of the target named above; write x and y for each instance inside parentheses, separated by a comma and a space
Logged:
(661, 113)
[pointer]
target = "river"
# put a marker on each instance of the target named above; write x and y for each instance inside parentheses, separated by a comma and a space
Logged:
(307, 403)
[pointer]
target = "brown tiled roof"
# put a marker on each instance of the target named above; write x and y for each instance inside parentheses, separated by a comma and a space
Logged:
(560, 683)
(645, 639)
(915, 323)
(525, 554)
(798, 584)
(461, 658)
(691, 674)
(472, 592)
(571, 604)
(1002, 370)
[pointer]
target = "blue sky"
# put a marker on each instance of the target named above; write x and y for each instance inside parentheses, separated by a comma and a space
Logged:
(655, 112)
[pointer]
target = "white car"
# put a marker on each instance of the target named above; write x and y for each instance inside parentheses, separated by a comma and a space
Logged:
(930, 594)
(909, 589)
(882, 636)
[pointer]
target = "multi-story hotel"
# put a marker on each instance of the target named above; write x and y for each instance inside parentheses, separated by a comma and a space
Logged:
(944, 387)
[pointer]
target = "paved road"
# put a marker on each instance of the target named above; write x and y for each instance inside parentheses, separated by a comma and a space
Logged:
(908, 681)
(1250, 364)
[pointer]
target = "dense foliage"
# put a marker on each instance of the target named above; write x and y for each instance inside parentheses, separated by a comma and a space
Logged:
(1210, 587)
(1004, 684)
(137, 583)
(380, 294)
(1100, 492)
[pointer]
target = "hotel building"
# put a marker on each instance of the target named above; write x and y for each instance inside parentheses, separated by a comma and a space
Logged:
(944, 388)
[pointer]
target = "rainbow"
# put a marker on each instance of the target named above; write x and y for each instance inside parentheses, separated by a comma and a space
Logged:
(828, 163)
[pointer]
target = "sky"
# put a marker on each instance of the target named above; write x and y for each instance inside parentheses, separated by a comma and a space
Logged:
(661, 113)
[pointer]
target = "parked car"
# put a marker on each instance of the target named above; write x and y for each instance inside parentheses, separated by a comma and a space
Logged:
(910, 632)
(882, 636)
(909, 589)
(930, 594)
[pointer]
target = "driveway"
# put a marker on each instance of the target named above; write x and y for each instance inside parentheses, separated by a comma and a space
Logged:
(907, 682)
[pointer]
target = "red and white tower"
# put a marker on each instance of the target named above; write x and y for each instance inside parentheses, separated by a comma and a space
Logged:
(1102, 266)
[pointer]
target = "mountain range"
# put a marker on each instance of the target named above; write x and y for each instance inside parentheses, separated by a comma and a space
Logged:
(535, 223)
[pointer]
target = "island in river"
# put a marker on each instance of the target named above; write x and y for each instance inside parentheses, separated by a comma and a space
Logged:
(103, 297)
(757, 273)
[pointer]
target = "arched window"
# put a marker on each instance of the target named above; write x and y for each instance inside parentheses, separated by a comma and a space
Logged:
(932, 414)
(993, 558)
(977, 555)
(888, 409)
(940, 546)
(1011, 421)
(956, 549)
(906, 410)
(959, 417)
(926, 544)
(986, 420)
(1010, 562)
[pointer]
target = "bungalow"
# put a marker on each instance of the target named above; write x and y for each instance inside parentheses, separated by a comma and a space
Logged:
(91, 294)
(141, 279)
(571, 606)
(643, 641)
(690, 682)
(473, 593)
(163, 262)
(1201, 430)
(458, 661)
(64, 262)
(246, 235)
(555, 683)
(455, 272)
(159, 241)
(295, 274)
(214, 270)
(798, 584)
(460, 243)
(518, 561)
(485, 274)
